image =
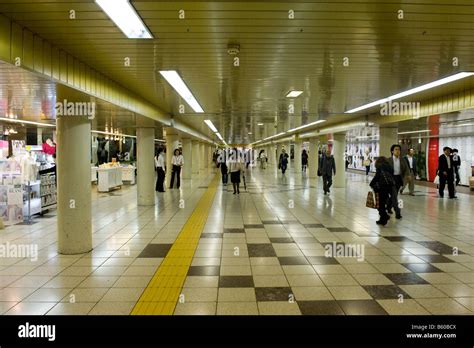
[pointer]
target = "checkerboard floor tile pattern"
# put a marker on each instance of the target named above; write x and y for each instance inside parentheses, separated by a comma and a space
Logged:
(261, 253)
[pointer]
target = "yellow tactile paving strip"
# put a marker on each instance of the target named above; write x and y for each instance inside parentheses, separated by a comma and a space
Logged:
(162, 293)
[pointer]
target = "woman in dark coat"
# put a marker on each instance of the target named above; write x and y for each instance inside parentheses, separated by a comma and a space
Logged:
(382, 184)
(304, 160)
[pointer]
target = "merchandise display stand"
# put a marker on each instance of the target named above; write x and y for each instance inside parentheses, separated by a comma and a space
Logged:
(48, 191)
(128, 174)
(32, 205)
(109, 178)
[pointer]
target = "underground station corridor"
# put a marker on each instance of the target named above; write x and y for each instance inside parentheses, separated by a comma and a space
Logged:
(305, 166)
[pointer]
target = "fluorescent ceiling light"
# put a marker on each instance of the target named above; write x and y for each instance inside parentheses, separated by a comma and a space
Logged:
(420, 131)
(259, 124)
(294, 94)
(211, 125)
(219, 136)
(126, 18)
(418, 89)
(274, 136)
(15, 120)
(249, 133)
(306, 125)
(178, 84)
(114, 134)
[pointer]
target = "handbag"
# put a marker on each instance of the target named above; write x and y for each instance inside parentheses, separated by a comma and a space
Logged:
(436, 180)
(372, 200)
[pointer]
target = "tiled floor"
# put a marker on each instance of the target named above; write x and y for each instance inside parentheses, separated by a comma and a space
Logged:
(261, 252)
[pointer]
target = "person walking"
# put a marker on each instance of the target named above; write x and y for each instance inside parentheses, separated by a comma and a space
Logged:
(222, 157)
(383, 184)
(328, 167)
(367, 162)
(304, 160)
(177, 161)
(283, 161)
(446, 173)
(400, 172)
(161, 170)
(235, 166)
(456, 164)
(263, 159)
(410, 179)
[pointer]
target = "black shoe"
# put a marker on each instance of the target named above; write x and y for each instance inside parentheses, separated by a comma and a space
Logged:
(455, 197)
(390, 211)
(381, 222)
(238, 192)
(398, 217)
(441, 196)
(234, 192)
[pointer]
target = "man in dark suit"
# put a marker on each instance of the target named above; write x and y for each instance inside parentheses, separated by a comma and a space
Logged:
(410, 179)
(400, 173)
(446, 172)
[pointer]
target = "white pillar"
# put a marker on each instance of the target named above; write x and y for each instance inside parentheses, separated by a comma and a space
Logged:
(388, 137)
(171, 145)
(202, 161)
(339, 147)
(145, 166)
(288, 151)
(39, 136)
(74, 222)
(196, 157)
(188, 158)
(313, 158)
(297, 156)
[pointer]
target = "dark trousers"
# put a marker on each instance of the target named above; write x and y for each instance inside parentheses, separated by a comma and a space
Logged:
(442, 183)
(327, 182)
(160, 180)
(393, 195)
(283, 168)
(367, 170)
(224, 173)
(176, 172)
(383, 198)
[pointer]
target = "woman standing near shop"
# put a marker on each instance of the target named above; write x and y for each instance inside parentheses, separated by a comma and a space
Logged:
(161, 170)
(177, 161)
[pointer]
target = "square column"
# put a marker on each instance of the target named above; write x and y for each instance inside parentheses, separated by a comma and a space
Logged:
(388, 136)
(196, 157)
(313, 158)
(188, 158)
(297, 160)
(74, 224)
(145, 166)
(339, 148)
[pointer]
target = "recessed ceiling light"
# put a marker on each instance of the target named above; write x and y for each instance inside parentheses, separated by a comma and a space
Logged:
(249, 133)
(178, 84)
(211, 125)
(126, 18)
(413, 91)
(259, 124)
(294, 94)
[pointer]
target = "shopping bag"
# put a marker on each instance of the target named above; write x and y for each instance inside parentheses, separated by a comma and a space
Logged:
(372, 200)
(436, 180)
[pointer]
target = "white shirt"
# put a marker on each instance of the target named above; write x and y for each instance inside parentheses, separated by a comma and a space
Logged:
(160, 162)
(177, 160)
(396, 166)
(234, 166)
(410, 161)
(449, 161)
